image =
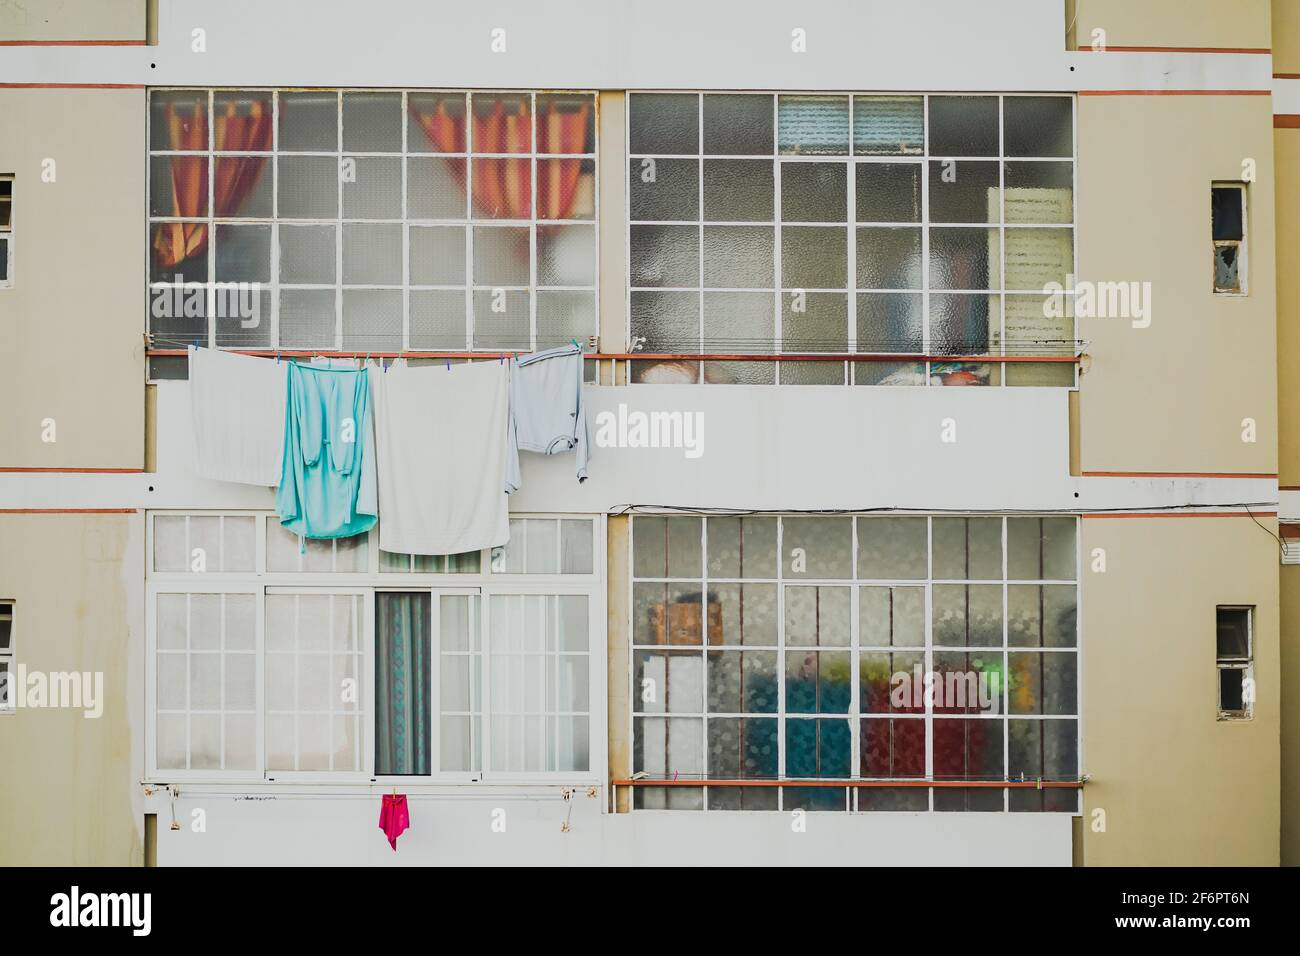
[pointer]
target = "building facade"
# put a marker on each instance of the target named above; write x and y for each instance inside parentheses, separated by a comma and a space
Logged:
(815, 604)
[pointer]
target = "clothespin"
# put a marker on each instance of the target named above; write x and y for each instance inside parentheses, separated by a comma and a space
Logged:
(277, 356)
(1040, 783)
(576, 345)
(501, 359)
(448, 365)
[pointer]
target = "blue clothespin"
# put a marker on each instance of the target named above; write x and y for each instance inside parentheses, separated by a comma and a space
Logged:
(277, 356)
(501, 359)
(448, 365)
(575, 344)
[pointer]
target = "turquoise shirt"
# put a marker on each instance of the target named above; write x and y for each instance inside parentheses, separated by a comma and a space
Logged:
(327, 488)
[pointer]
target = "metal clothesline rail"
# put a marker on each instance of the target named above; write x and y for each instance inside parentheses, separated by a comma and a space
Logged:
(910, 782)
(484, 355)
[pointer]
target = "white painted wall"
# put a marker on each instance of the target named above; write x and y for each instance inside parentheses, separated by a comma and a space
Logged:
(244, 830)
(998, 45)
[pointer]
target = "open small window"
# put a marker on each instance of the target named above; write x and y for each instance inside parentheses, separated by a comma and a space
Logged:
(1234, 653)
(1228, 225)
(6, 654)
(6, 231)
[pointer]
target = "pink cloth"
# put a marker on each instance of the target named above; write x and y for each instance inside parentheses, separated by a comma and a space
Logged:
(394, 817)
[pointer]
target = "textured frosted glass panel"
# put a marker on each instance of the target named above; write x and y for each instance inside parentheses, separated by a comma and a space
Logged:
(437, 319)
(427, 106)
(664, 189)
(566, 255)
(889, 373)
(824, 547)
(435, 188)
(814, 192)
(372, 320)
(1039, 193)
(740, 748)
(170, 552)
(562, 316)
(372, 253)
(740, 373)
(437, 255)
(308, 187)
(814, 257)
(888, 192)
(889, 258)
(676, 679)
(189, 108)
(1043, 682)
(1041, 549)
(967, 548)
(891, 617)
(575, 547)
(738, 257)
(501, 256)
(566, 189)
(243, 253)
(1048, 749)
(666, 546)
(1042, 615)
(738, 190)
(964, 259)
(503, 122)
(812, 373)
(307, 318)
(241, 104)
(665, 256)
(1038, 126)
(667, 321)
(817, 616)
(967, 615)
(738, 322)
(1041, 375)
(664, 123)
(964, 126)
(1059, 549)
(817, 683)
(748, 615)
(813, 125)
(742, 547)
(889, 322)
(667, 746)
(372, 122)
(737, 124)
(963, 324)
(307, 254)
(892, 548)
(821, 326)
(1036, 257)
(508, 329)
(309, 122)
(258, 175)
(964, 191)
(888, 125)
(504, 189)
(553, 136)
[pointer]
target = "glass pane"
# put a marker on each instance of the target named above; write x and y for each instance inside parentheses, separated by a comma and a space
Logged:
(665, 256)
(665, 747)
(738, 190)
(566, 256)
(435, 188)
(1036, 257)
(1039, 193)
(436, 123)
(892, 683)
(566, 189)
(666, 547)
(372, 253)
(740, 748)
(967, 615)
(502, 123)
(813, 125)
(372, 122)
(1039, 126)
(739, 321)
(964, 324)
(817, 547)
(664, 189)
(969, 750)
(888, 125)
(178, 186)
(817, 616)
(888, 192)
(892, 748)
(501, 256)
(965, 191)
(372, 320)
(814, 257)
(178, 119)
(1042, 615)
(738, 257)
(243, 187)
(666, 321)
(307, 254)
(1043, 682)
(967, 259)
(967, 548)
(437, 320)
(664, 123)
(737, 124)
(309, 122)
(372, 187)
(742, 547)
(964, 126)
(889, 258)
(814, 192)
(892, 548)
(818, 748)
(437, 255)
(1232, 632)
(748, 614)
(566, 123)
(815, 322)
(308, 187)
(891, 617)
(889, 322)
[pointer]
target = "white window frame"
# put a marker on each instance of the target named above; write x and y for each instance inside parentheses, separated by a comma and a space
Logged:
(853, 161)
(485, 582)
(854, 715)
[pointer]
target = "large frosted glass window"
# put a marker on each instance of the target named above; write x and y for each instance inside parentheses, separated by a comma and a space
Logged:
(918, 225)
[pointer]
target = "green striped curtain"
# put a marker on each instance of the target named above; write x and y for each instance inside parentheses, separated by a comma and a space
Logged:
(402, 675)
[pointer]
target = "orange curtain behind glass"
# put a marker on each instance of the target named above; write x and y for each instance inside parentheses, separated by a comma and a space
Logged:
(237, 176)
(503, 186)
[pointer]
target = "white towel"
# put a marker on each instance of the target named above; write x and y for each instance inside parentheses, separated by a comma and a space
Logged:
(238, 404)
(440, 442)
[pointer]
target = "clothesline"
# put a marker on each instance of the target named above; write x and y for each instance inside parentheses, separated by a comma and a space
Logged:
(482, 356)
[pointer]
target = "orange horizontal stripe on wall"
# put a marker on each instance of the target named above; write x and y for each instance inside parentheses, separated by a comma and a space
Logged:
(72, 86)
(1179, 514)
(1286, 121)
(1084, 48)
(68, 511)
(1289, 530)
(72, 471)
(1178, 474)
(1175, 92)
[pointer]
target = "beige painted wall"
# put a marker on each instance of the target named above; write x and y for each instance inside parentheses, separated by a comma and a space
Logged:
(74, 318)
(1176, 23)
(71, 794)
(1286, 36)
(1178, 786)
(73, 20)
(1172, 397)
(1290, 641)
(620, 654)
(1286, 150)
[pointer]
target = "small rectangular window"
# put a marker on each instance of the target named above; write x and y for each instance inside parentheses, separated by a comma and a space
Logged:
(1228, 228)
(6, 654)
(6, 231)
(1234, 658)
